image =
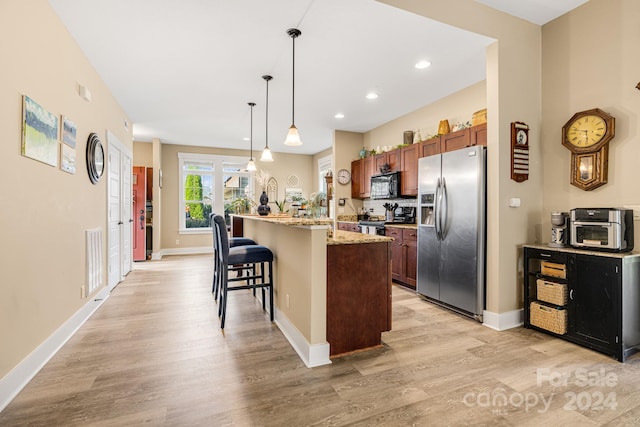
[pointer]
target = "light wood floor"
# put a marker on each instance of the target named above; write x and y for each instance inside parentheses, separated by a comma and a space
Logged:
(154, 354)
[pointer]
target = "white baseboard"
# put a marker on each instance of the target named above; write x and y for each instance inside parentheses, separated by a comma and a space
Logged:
(12, 383)
(503, 321)
(182, 251)
(311, 354)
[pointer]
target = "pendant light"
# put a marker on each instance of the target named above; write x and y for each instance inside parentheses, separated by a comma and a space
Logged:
(266, 153)
(251, 166)
(293, 138)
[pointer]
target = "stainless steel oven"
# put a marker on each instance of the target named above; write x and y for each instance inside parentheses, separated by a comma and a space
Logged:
(606, 229)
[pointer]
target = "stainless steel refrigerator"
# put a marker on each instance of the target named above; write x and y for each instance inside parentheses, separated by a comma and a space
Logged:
(451, 229)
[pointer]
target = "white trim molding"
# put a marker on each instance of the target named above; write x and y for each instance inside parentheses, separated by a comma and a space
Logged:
(503, 321)
(12, 383)
(311, 354)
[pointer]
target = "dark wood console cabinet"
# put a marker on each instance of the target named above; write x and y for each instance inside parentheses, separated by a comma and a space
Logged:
(602, 296)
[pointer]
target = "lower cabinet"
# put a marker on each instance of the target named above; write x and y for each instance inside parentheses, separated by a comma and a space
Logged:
(588, 298)
(404, 255)
(349, 226)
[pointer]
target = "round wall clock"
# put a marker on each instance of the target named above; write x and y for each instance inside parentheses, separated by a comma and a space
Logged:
(587, 131)
(344, 176)
(95, 158)
(587, 135)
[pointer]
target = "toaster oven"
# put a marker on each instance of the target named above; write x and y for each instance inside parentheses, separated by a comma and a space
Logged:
(606, 229)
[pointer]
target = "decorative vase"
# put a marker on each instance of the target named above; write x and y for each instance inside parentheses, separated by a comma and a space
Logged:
(264, 208)
(363, 153)
(443, 127)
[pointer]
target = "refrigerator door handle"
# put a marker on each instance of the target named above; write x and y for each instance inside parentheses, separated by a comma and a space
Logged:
(436, 207)
(443, 210)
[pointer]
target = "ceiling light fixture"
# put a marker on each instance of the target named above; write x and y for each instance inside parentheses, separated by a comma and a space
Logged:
(339, 116)
(293, 138)
(251, 166)
(421, 65)
(266, 153)
(372, 95)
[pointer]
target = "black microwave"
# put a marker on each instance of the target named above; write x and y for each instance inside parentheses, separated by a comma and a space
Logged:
(385, 186)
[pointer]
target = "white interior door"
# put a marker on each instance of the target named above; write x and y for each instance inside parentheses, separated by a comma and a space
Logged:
(119, 201)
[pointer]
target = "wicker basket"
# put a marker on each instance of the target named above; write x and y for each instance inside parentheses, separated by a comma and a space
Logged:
(553, 270)
(555, 293)
(548, 318)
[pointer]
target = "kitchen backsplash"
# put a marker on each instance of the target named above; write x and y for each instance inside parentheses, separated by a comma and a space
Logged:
(378, 208)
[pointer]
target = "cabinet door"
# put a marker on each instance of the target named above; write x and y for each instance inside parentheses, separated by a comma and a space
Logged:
(455, 140)
(369, 171)
(410, 241)
(357, 177)
(393, 158)
(594, 300)
(430, 147)
(478, 135)
(381, 160)
(396, 252)
(409, 175)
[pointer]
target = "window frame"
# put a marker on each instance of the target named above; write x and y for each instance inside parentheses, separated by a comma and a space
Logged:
(217, 162)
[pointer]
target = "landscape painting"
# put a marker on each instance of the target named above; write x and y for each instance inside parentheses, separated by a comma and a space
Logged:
(39, 133)
(69, 132)
(68, 159)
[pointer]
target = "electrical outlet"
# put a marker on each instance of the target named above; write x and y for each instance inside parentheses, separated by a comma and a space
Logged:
(286, 300)
(177, 241)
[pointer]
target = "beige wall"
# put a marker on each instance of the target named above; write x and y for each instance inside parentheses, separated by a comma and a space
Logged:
(45, 211)
(282, 166)
(143, 154)
(346, 146)
(590, 63)
(456, 108)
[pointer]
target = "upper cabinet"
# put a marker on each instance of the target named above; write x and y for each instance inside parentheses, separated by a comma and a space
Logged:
(405, 160)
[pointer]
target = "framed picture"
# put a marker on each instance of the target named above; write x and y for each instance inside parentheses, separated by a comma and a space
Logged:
(39, 133)
(67, 159)
(69, 132)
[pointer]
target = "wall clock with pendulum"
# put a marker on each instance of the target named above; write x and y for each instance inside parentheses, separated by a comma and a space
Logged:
(587, 135)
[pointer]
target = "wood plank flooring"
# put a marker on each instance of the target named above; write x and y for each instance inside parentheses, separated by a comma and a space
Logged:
(154, 354)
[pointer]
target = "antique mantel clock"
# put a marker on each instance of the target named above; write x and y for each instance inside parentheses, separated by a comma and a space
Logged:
(587, 135)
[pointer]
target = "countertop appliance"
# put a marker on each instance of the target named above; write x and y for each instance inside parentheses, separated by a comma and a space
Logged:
(404, 215)
(451, 229)
(604, 229)
(559, 229)
(385, 186)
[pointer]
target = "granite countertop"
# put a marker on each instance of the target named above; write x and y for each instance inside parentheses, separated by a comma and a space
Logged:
(288, 220)
(341, 237)
(570, 249)
(394, 224)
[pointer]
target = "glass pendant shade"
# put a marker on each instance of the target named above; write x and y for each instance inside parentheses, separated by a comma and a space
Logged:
(266, 155)
(251, 166)
(293, 138)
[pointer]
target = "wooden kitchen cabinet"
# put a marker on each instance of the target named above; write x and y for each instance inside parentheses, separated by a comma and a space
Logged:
(478, 135)
(455, 140)
(602, 306)
(361, 172)
(404, 255)
(430, 147)
(409, 170)
(349, 226)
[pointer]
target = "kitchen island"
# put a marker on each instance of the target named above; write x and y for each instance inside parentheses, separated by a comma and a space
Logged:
(332, 289)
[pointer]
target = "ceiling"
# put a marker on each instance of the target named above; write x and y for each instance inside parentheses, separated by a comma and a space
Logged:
(184, 71)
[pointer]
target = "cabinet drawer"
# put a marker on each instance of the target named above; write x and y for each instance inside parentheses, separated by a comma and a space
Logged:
(394, 232)
(409, 234)
(550, 255)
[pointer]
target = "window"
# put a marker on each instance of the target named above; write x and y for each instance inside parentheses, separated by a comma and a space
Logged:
(209, 184)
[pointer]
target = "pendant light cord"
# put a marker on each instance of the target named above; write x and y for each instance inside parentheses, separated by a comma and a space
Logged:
(266, 126)
(251, 104)
(293, 84)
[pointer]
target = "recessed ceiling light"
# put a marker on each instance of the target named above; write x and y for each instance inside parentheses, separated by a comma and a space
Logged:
(421, 65)
(339, 116)
(372, 95)
(245, 139)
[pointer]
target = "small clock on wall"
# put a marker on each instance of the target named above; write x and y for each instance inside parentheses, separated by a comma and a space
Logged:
(95, 158)
(344, 176)
(587, 135)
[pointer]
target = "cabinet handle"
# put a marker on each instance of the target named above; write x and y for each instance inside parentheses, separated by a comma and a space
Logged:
(571, 294)
(546, 255)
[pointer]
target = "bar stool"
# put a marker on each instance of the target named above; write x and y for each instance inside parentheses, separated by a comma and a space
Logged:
(233, 241)
(241, 258)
